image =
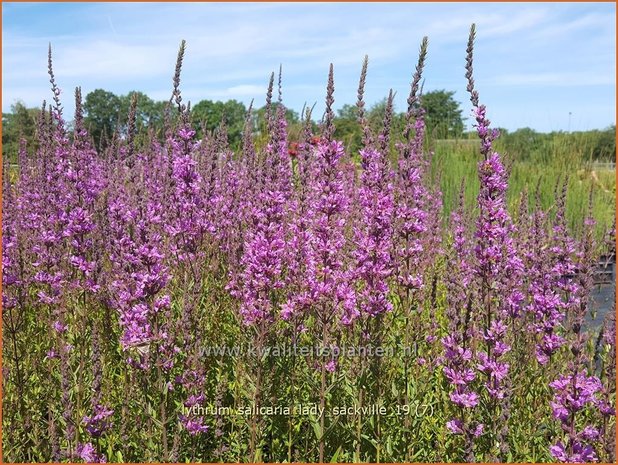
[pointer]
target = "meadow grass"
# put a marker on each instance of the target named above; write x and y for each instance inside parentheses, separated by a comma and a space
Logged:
(456, 160)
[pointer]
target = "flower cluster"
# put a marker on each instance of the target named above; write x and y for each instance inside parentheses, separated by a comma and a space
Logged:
(572, 394)
(127, 264)
(99, 422)
(374, 236)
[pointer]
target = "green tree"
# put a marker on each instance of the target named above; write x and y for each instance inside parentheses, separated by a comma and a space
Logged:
(347, 128)
(375, 116)
(442, 114)
(149, 113)
(212, 113)
(523, 143)
(291, 116)
(19, 123)
(103, 113)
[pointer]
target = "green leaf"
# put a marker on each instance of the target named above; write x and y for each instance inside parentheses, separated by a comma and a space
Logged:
(316, 426)
(335, 457)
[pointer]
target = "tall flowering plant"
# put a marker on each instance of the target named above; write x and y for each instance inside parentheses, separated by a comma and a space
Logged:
(578, 391)
(458, 358)
(497, 268)
(135, 276)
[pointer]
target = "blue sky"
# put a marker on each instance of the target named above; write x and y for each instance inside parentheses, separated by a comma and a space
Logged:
(534, 62)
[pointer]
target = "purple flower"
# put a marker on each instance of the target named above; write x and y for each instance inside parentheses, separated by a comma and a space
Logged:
(455, 426)
(194, 400)
(327, 286)
(266, 254)
(186, 133)
(581, 453)
(459, 377)
(194, 426)
(374, 233)
(331, 366)
(590, 433)
(88, 453)
(99, 422)
(572, 394)
(60, 327)
(465, 399)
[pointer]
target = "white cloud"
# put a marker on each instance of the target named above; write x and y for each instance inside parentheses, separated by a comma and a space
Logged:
(591, 21)
(111, 60)
(232, 48)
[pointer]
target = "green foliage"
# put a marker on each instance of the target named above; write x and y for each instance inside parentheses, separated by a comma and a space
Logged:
(291, 116)
(19, 123)
(348, 130)
(102, 111)
(586, 146)
(604, 145)
(457, 160)
(149, 113)
(414, 394)
(442, 114)
(209, 114)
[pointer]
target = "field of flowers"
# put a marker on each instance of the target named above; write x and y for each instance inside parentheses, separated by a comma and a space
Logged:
(168, 299)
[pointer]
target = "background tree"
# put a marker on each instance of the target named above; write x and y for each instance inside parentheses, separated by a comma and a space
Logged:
(605, 144)
(443, 114)
(347, 128)
(291, 116)
(212, 113)
(103, 112)
(523, 142)
(149, 113)
(19, 123)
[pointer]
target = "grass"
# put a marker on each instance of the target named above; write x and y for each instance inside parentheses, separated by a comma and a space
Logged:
(456, 160)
